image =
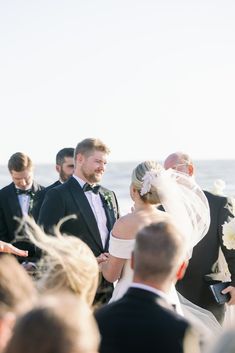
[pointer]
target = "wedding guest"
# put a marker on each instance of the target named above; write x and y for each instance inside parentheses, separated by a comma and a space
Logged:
(59, 324)
(144, 318)
(67, 263)
(17, 295)
(96, 207)
(16, 200)
(204, 267)
(65, 168)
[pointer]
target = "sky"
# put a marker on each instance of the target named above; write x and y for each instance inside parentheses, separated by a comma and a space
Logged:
(147, 77)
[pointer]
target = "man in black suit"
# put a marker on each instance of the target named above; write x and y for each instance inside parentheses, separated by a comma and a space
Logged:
(16, 200)
(143, 320)
(204, 266)
(65, 168)
(95, 207)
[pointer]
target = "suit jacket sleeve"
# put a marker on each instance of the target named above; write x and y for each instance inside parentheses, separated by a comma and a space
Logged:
(3, 226)
(52, 210)
(226, 213)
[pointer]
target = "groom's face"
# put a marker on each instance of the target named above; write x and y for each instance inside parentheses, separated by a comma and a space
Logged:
(93, 166)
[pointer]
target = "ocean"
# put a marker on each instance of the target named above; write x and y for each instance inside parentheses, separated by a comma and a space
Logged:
(117, 177)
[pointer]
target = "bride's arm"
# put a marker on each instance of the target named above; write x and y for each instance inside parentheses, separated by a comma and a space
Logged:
(112, 267)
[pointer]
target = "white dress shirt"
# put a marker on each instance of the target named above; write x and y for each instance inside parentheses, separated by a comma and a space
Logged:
(24, 201)
(98, 210)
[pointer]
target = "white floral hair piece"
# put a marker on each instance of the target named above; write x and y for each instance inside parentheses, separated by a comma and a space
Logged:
(149, 179)
(229, 234)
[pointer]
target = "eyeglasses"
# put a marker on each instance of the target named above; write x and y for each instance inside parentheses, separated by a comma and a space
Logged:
(178, 166)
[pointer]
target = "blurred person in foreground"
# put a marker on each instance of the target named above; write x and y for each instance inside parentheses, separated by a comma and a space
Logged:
(204, 266)
(17, 295)
(95, 207)
(144, 320)
(62, 323)
(66, 264)
(65, 168)
(16, 201)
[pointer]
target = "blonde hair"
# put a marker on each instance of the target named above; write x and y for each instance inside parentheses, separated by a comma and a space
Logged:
(137, 181)
(67, 262)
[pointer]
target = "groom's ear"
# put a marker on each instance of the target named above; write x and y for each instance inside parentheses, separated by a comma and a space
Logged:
(181, 270)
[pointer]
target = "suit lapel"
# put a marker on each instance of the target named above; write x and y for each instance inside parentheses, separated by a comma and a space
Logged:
(85, 209)
(109, 212)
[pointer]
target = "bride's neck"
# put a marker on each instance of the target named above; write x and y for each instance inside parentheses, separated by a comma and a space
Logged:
(140, 205)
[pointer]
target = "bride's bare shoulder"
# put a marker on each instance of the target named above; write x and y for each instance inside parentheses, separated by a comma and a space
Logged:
(124, 227)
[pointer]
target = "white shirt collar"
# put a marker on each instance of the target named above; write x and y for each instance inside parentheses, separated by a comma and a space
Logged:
(79, 180)
(151, 289)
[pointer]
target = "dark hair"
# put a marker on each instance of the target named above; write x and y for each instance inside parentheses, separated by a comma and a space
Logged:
(62, 154)
(19, 162)
(89, 145)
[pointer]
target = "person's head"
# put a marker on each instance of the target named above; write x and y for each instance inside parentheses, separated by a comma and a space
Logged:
(65, 163)
(181, 162)
(67, 263)
(59, 324)
(17, 294)
(150, 197)
(20, 167)
(159, 255)
(90, 159)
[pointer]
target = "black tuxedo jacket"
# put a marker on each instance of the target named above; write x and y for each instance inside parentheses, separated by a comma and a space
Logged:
(10, 208)
(204, 268)
(141, 322)
(39, 198)
(69, 199)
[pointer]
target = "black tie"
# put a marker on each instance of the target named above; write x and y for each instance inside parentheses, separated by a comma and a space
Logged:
(88, 187)
(24, 192)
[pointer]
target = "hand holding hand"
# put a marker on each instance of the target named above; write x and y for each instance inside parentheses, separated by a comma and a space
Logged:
(101, 259)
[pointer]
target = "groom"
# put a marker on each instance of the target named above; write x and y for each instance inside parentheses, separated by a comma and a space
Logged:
(95, 207)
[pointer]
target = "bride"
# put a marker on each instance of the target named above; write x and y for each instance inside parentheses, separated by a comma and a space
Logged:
(185, 205)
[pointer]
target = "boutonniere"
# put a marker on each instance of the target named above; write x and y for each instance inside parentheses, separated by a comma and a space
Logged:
(108, 199)
(32, 194)
(228, 230)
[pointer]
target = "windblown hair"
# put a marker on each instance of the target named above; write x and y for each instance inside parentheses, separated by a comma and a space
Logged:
(59, 324)
(67, 262)
(159, 249)
(138, 173)
(17, 291)
(89, 145)
(19, 162)
(62, 154)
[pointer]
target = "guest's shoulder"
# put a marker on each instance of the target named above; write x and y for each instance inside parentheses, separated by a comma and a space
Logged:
(216, 198)
(6, 189)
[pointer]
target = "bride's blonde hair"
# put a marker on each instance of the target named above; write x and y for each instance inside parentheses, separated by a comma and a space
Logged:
(137, 181)
(67, 262)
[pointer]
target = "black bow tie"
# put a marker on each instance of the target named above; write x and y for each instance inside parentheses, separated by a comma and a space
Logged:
(88, 187)
(24, 192)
